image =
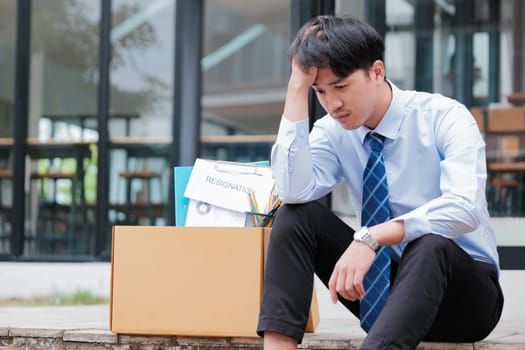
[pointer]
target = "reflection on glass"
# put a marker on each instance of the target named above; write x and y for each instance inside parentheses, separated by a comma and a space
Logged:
(245, 72)
(7, 82)
(141, 68)
(62, 127)
(141, 109)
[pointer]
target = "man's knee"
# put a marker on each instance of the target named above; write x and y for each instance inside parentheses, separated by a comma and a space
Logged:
(298, 209)
(432, 250)
(297, 225)
(288, 216)
(430, 243)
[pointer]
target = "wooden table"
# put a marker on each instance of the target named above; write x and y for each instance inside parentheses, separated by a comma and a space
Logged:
(517, 98)
(52, 149)
(143, 147)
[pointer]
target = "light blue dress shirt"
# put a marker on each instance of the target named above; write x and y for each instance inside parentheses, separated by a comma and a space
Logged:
(435, 163)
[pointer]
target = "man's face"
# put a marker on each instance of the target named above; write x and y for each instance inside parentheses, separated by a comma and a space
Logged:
(352, 101)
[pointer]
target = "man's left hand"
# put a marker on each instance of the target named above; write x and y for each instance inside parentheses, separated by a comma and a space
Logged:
(349, 272)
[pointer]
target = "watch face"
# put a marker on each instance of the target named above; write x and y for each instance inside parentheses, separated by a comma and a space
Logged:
(364, 236)
(360, 234)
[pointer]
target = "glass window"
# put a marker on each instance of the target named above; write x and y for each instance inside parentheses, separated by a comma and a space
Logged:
(7, 67)
(62, 127)
(245, 72)
(140, 121)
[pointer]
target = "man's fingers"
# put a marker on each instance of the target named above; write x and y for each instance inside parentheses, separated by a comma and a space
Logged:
(342, 285)
(358, 285)
(350, 290)
(332, 286)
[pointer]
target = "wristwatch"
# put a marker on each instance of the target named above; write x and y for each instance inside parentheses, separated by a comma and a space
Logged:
(363, 235)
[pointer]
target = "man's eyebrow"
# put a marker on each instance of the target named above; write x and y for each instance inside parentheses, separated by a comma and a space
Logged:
(335, 82)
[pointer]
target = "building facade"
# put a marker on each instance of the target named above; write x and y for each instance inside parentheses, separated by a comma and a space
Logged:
(99, 100)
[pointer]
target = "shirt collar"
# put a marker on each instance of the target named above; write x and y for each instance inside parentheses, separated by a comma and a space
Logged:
(389, 125)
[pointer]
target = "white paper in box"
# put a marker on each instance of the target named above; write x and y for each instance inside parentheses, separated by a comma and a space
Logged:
(227, 185)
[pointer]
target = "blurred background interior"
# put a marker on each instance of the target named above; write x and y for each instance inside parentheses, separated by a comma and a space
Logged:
(100, 99)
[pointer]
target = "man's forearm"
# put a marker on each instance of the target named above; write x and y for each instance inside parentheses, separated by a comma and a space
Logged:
(388, 233)
(296, 104)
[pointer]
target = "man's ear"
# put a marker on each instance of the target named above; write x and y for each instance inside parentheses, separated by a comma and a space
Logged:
(378, 70)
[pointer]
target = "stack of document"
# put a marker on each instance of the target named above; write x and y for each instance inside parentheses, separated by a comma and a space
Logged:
(229, 194)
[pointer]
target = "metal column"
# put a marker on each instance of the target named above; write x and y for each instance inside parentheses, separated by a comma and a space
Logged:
(424, 23)
(21, 113)
(102, 234)
(187, 81)
(463, 57)
(375, 15)
(187, 76)
(494, 48)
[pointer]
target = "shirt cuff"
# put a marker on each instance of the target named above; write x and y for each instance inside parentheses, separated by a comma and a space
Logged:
(292, 133)
(416, 224)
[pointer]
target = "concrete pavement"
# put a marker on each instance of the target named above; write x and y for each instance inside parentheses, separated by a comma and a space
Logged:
(33, 279)
(24, 280)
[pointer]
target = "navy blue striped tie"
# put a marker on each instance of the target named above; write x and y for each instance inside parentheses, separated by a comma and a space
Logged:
(376, 209)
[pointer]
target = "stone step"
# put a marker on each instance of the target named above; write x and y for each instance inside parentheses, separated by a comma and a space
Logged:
(14, 338)
(86, 327)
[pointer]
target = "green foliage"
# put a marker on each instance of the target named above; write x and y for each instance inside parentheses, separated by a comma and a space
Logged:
(80, 297)
(90, 180)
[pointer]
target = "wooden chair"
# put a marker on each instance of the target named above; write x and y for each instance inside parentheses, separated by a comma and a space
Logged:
(55, 222)
(145, 168)
(59, 226)
(509, 120)
(479, 115)
(517, 98)
(141, 207)
(506, 167)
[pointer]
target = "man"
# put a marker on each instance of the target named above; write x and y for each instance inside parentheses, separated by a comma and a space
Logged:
(436, 234)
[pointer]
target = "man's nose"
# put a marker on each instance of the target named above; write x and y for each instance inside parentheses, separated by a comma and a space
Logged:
(334, 103)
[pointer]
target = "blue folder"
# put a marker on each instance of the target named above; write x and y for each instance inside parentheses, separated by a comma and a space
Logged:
(181, 176)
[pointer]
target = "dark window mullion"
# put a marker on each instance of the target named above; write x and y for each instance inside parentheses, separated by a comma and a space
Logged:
(102, 206)
(21, 117)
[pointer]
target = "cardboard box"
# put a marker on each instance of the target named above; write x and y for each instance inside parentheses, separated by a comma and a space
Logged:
(197, 281)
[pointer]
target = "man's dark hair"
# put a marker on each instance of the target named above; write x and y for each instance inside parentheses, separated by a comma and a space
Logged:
(343, 44)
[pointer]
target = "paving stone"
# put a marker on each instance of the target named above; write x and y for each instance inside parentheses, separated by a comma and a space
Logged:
(91, 336)
(326, 343)
(40, 343)
(147, 339)
(499, 346)
(36, 332)
(255, 342)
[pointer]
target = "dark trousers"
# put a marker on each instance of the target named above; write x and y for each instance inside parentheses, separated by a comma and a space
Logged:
(439, 293)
